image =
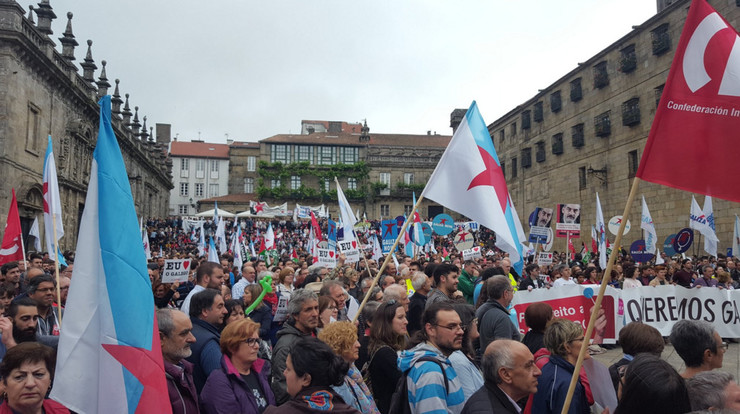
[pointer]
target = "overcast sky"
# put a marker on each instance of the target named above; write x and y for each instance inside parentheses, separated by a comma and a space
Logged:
(253, 69)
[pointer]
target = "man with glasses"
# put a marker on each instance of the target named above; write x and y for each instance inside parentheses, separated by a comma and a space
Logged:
(427, 365)
(699, 345)
(510, 375)
(493, 316)
(42, 289)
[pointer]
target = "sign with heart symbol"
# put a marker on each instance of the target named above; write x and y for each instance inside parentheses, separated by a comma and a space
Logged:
(176, 270)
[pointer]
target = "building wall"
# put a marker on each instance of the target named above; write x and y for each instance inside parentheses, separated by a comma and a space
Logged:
(560, 178)
(192, 177)
(240, 169)
(41, 94)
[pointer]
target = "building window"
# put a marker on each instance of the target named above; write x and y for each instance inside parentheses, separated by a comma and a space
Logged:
(303, 153)
(183, 209)
(631, 112)
(408, 178)
(213, 190)
(501, 135)
(513, 129)
(603, 125)
(577, 134)
(352, 183)
(184, 189)
(327, 156)
(661, 39)
(556, 102)
(526, 157)
(514, 167)
(582, 178)
(557, 144)
(251, 163)
(576, 92)
(407, 209)
(280, 153)
(601, 76)
(327, 185)
(184, 164)
(350, 155)
(632, 163)
(503, 168)
(385, 178)
(295, 182)
(199, 190)
(658, 94)
(385, 210)
(541, 153)
(275, 183)
(538, 112)
(33, 128)
(214, 166)
(526, 119)
(628, 59)
(248, 185)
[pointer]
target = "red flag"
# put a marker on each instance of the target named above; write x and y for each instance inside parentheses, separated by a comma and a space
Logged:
(315, 227)
(694, 134)
(570, 246)
(11, 248)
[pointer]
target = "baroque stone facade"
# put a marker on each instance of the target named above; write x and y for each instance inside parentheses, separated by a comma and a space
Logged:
(42, 94)
(586, 133)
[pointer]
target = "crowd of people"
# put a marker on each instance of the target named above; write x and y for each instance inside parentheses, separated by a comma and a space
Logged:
(435, 335)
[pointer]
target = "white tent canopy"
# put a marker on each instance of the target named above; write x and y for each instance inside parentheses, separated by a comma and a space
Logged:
(221, 213)
(249, 214)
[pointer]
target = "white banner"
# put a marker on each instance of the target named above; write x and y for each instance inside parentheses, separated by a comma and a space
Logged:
(544, 258)
(350, 250)
(471, 254)
(327, 258)
(175, 270)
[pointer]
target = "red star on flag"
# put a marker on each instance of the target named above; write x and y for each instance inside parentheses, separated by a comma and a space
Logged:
(492, 176)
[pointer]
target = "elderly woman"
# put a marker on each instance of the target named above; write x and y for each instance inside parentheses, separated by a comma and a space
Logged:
(27, 370)
(342, 338)
(241, 383)
(311, 369)
(563, 338)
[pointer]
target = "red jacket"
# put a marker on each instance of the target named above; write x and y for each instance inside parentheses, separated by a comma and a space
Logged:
(50, 407)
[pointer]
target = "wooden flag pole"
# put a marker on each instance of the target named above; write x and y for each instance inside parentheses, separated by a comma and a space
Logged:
(387, 259)
(364, 256)
(602, 289)
(56, 269)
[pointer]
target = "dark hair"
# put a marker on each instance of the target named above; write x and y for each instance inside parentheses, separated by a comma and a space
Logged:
(443, 270)
(34, 283)
(638, 337)
(8, 267)
(313, 357)
(206, 269)
(201, 301)
(24, 301)
(324, 302)
(7, 289)
(430, 316)
(629, 271)
(231, 304)
(691, 338)
(467, 316)
(27, 352)
(33, 256)
(490, 272)
(430, 268)
(537, 315)
(531, 268)
(381, 330)
(653, 386)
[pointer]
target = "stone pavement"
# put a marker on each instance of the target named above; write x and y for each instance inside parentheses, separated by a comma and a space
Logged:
(731, 362)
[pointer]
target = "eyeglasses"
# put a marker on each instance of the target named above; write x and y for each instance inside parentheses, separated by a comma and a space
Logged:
(252, 341)
(453, 327)
(725, 346)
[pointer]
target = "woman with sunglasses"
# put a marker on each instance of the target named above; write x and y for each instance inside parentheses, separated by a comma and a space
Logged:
(241, 383)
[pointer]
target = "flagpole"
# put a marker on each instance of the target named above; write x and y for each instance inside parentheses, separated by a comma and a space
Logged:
(56, 268)
(597, 305)
(387, 259)
(23, 245)
(364, 256)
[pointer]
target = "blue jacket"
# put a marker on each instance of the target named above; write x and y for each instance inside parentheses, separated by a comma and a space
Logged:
(553, 386)
(426, 384)
(206, 355)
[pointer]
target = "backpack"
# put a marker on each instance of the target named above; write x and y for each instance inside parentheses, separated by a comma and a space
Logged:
(365, 370)
(400, 398)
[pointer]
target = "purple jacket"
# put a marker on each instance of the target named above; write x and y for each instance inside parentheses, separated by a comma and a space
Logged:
(226, 391)
(181, 388)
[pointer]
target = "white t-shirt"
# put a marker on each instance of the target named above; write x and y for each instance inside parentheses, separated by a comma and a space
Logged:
(562, 282)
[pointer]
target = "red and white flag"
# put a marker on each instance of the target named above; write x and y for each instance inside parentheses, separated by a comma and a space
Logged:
(694, 134)
(52, 203)
(12, 249)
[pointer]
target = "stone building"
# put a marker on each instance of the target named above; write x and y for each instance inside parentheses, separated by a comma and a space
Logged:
(42, 93)
(200, 170)
(377, 172)
(243, 175)
(586, 133)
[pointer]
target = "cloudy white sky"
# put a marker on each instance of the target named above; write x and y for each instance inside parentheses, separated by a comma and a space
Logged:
(253, 69)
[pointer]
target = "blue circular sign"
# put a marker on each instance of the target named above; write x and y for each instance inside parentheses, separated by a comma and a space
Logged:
(443, 224)
(427, 230)
(668, 245)
(684, 239)
(637, 251)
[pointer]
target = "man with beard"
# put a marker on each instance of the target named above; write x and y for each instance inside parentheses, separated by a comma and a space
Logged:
(19, 326)
(304, 318)
(175, 336)
(442, 333)
(209, 275)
